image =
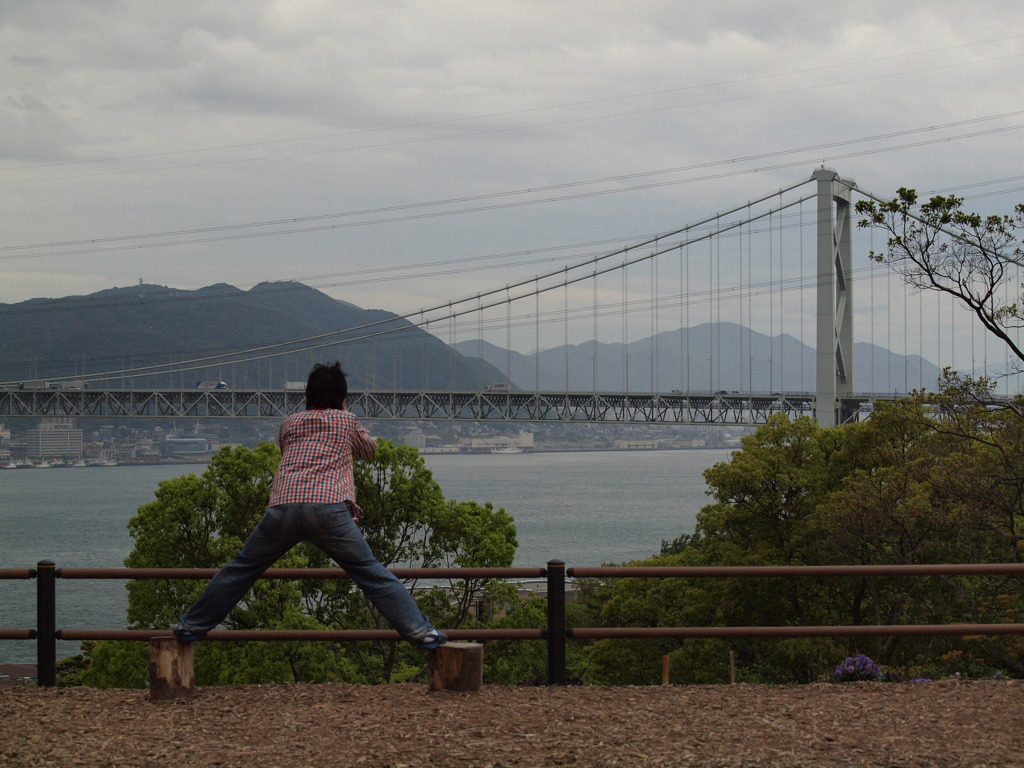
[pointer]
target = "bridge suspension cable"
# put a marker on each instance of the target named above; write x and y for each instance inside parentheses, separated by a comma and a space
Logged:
(749, 293)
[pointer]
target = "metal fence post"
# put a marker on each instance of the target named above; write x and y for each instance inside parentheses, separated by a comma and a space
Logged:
(46, 623)
(556, 622)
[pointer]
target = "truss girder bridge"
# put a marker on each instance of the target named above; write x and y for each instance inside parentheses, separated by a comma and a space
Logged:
(733, 408)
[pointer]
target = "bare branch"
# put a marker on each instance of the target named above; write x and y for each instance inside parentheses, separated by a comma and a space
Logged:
(937, 246)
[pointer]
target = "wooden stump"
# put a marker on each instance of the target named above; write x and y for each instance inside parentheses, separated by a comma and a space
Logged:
(171, 674)
(456, 667)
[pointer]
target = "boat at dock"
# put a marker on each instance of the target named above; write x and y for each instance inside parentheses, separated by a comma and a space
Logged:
(506, 449)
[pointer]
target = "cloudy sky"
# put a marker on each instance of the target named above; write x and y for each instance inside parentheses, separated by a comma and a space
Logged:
(402, 152)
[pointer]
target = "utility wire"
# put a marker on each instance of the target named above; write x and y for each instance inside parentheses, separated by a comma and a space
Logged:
(814, 148)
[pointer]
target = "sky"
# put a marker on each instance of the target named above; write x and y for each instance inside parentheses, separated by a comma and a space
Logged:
(398, 154)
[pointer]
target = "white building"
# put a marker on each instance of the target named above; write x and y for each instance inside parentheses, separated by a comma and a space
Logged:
(54, 439)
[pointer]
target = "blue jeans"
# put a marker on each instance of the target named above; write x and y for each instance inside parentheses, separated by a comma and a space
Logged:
(332, 529)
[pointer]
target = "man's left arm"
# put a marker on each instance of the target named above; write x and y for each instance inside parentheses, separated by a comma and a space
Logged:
(363, 445)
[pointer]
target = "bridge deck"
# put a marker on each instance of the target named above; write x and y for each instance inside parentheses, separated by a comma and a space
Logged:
(626, 407)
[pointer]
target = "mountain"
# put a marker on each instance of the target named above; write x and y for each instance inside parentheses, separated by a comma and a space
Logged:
(290, 326)
(710, 356)
(101, 334)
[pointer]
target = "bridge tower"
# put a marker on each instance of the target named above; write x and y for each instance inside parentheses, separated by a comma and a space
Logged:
(834, 369)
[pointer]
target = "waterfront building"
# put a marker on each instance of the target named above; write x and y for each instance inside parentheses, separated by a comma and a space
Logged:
(54, 439)
(186, 446)
(517, 443)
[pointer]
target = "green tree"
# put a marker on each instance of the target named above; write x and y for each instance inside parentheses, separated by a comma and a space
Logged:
(763, 513)
(943, 488)
(518, 662)
(201, 522)
(975, 488)
(906, 486)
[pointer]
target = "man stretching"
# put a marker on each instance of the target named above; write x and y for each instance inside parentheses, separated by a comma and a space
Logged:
(313, 499)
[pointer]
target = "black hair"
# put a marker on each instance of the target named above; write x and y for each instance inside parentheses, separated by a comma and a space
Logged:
(326, 388)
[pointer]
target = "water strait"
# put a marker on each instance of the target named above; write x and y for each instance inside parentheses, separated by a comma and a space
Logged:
(585, 508)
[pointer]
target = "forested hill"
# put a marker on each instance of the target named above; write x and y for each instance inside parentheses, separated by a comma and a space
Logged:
(83, 337)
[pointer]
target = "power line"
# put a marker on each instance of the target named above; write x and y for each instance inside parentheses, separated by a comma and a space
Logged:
(379, 274)
(532, 190)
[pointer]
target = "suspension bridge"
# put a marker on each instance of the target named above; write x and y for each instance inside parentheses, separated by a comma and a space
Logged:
(744, 313)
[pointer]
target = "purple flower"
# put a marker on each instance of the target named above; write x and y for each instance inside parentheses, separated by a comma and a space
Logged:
(859, 667)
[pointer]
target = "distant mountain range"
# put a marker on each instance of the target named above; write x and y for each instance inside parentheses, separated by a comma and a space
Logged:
(710, 356)
(292, 326)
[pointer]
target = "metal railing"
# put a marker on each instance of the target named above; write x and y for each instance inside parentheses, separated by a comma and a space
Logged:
(555, 633)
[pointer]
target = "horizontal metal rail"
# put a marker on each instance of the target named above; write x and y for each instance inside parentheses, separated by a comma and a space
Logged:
(17, 573)
(329, 635)
(300, 573)
(855, 630)
(805, 571)
(17, 634)
(554, 634)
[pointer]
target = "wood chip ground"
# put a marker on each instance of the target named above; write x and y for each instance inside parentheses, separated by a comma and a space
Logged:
(944, 723)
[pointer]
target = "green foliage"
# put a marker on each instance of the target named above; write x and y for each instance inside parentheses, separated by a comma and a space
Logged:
(202, 522)
(910, 485)
(680, 602)
(402, 502)
(116, 664)
(766, 494)
(72, 669)
(518, 662)
(941, 490)
(408, 523)
(255, 662)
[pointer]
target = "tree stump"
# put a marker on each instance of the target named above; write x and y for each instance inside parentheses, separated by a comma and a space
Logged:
(456, 667)
(171, 674)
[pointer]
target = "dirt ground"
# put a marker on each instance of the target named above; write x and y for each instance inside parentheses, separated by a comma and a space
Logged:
(944, 723)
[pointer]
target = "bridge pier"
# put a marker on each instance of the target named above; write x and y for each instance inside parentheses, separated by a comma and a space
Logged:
(834, 369)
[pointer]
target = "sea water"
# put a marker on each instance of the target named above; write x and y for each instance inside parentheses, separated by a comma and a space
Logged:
(584, 508)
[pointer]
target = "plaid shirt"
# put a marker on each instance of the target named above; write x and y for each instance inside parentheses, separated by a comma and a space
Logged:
(317, 448)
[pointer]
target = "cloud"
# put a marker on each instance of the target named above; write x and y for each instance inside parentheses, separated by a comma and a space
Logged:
(121, 118)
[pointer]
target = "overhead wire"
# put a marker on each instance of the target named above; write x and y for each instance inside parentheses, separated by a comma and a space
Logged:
(103, 243)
